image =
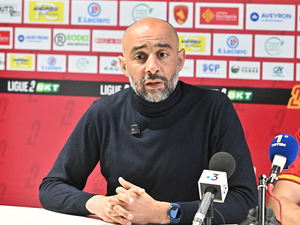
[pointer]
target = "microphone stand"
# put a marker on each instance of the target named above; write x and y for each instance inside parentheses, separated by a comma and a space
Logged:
(261, 215)
(210, 214)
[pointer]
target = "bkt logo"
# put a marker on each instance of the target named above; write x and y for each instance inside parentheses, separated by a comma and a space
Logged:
(239, 95)
(211, 68)
(254, 17)
(232, 42)
(94, 9)
(51, 61)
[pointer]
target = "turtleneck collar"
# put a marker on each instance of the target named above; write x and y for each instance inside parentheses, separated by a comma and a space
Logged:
(157, 109)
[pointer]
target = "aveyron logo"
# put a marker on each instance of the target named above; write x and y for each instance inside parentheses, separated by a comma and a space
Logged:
(181, 13)
(9, 9)
(141, 11)
(273, 46)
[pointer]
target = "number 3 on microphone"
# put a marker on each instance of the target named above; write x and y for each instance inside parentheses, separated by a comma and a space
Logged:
(215, 177)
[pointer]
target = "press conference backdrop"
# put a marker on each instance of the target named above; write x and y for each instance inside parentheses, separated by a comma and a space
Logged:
(56, 57)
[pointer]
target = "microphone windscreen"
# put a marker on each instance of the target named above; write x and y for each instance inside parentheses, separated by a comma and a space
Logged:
(285, 145)
(222, 161)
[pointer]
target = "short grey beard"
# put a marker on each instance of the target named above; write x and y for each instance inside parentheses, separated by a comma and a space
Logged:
(155, 95)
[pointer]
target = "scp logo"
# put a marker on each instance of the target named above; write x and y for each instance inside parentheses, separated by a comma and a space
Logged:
(94, 9)
(211, 68)
(232, 42)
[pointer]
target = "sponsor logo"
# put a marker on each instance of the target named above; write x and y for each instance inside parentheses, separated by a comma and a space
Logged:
(5, 38)
(109, 89)
(31, 86)
(239, 95)
(53, 12)
(2, 61)
(273, 46)
(270, 17)
(195, 43)
(70, 38)
(51, 63)
(107, 40)
(294, 101)
(211, 68)
(141, 11)
(237, 45)
(254, 17)
(94, 9)
(82, 64)
(114, 66)
(33, 38)
(10, 9)
(244, 70)
(278, 71)
(181, 13)
(20, 62)
(219, 15)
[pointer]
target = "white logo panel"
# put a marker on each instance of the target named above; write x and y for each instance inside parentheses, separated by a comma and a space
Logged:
(244, 70)
(10, 11)
(181, 14)
(71, 39)
(187, 69)
(298, 72)
(270, 17)
(2, 61)
(100, 13)
(278, 71)
(110, 65)
(132, 11)
(107, 41)
(280, 46)
(82, 64)
(51, 63)
(232, 45)
(33, 38)
(298, 47)
(211, 68)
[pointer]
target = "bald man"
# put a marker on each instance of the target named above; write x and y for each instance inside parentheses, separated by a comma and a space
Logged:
(152, 169)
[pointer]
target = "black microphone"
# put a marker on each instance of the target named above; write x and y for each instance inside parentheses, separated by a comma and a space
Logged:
(213, 183)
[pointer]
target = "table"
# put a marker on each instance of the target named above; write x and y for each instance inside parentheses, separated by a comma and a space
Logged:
(15, 215)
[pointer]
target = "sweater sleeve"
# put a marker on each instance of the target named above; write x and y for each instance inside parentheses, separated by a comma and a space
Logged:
(227, 135)
(61, 189)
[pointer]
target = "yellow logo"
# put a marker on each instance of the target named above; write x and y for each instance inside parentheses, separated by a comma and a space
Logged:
(294, 102)
(192, 43)
(46, 11)
(21, 62)
(208, 15)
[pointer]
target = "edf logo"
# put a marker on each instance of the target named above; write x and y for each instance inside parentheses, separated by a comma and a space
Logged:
(232, 42)
(94, 9)
(211, 68)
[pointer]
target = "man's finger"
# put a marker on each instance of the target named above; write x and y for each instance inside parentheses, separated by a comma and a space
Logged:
(127, 185)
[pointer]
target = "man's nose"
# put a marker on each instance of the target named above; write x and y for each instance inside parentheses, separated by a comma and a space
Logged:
(152, 64)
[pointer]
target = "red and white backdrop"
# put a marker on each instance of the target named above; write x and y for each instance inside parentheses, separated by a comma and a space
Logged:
(56, 57)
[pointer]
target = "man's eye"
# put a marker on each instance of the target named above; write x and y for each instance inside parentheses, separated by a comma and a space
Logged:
(162, 54)
(139, 57)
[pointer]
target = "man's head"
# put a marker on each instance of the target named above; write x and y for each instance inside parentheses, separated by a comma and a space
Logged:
(151, 58)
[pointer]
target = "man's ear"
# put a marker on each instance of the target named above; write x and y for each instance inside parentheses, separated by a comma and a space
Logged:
(181, 57)
(122, 64)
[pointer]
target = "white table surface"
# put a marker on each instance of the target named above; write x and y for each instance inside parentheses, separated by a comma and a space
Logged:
(14, 215)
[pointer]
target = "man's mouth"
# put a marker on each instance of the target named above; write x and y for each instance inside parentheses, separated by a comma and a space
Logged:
(154, 84)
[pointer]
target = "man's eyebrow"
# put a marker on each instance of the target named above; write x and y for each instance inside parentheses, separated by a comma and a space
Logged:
(162, 45)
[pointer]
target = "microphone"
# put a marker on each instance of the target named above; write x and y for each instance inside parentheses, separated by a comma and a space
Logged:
(283, 152)
(213, 183)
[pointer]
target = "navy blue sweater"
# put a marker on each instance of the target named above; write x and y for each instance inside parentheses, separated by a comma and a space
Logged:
(178, 137)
